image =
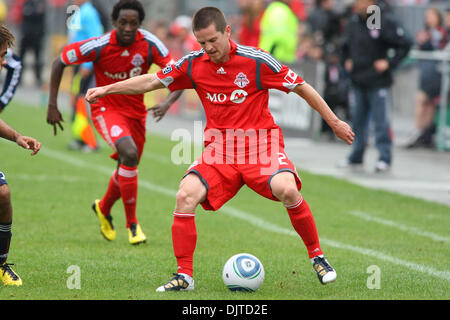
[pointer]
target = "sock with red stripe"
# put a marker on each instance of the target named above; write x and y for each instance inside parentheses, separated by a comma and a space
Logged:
(111, 196)
(303, 222)
(128, 184)
(5, 240)
(184, 239)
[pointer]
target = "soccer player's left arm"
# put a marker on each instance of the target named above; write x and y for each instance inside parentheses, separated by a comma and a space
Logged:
(163, 59)
(159, 110)
(340, 128)
(136, 85)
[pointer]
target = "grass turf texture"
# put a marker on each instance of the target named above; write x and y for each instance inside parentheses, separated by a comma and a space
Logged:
(55, 228)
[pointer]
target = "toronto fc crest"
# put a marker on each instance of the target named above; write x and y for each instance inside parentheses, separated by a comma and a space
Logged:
(241, 80)
(137, 60)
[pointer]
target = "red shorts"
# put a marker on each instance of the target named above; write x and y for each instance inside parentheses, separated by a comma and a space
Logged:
(223, 181)
(113, 127)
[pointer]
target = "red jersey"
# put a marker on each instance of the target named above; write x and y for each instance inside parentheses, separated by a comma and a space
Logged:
(113, 63)
(234, 94)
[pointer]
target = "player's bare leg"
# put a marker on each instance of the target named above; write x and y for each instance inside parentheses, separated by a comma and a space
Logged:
(7, 275)
(284, 187)
(5, 204)
(128, 185)
(184, 233)
(191, 193)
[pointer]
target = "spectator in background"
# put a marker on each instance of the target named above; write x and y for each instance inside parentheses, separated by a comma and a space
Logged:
(305, 46)
(279, 31)
(160, 29)
(324, 23)
(33, 34)
(3, 11)
(433, 37)
(299, 9)
(99, 5)
(85, 24)
(336, 90)
(251, 15)
(447, 21)
(365, 52)
(185, 42)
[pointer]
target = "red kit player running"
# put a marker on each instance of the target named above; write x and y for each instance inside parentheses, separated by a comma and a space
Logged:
(232, 82)
(125, 52)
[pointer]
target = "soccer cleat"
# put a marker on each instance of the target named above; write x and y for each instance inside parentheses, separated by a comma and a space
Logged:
(8, 276)
(106, 225)
(135, 234)
(181, 282)
(325, 272)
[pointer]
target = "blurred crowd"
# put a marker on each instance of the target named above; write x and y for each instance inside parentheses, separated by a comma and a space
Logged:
(311, 31)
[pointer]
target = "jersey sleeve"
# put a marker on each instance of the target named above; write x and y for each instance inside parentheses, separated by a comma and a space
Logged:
(14, 67)
(278, 76)
(176, 76)
(78, 53)
(160, 57)
(159, 54)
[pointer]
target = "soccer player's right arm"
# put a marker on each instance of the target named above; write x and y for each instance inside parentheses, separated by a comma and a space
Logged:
(71, 55)
(136, 85)
(54, 117)
(171, 77)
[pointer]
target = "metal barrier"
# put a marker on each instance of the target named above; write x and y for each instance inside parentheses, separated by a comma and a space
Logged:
(443, 134)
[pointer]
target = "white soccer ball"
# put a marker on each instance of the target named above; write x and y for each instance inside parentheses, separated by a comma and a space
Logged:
(243, 272)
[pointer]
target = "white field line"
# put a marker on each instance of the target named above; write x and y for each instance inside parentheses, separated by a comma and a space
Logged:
(363, 251)
(258, 222)
(157, 157)
(46, 177)
(399, 226)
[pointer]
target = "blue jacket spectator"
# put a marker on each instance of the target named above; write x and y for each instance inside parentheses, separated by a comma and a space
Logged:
(85, 24)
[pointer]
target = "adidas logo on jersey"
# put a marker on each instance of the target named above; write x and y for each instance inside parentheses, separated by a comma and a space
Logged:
(221, 71)
(125, 53)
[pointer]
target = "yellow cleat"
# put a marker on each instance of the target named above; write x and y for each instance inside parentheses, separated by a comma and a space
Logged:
(135, 234)
(106, 225)
(8, 276)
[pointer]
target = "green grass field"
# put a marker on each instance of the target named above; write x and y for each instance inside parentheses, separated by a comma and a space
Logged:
(54, 228)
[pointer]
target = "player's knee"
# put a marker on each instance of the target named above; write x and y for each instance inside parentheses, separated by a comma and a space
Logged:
(288, 194)
(129, 157)
(185, 198)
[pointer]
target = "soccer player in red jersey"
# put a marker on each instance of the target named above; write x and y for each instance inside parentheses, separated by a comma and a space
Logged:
(125, 52)
(232, 82)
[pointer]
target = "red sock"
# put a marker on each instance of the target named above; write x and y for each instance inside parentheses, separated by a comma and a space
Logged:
(128, 184)
(111, 196)
(184, 239)
(303, 222)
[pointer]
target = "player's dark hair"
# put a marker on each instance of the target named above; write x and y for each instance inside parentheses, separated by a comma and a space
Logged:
(6, 37)
(204, 17)
(128, 4)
